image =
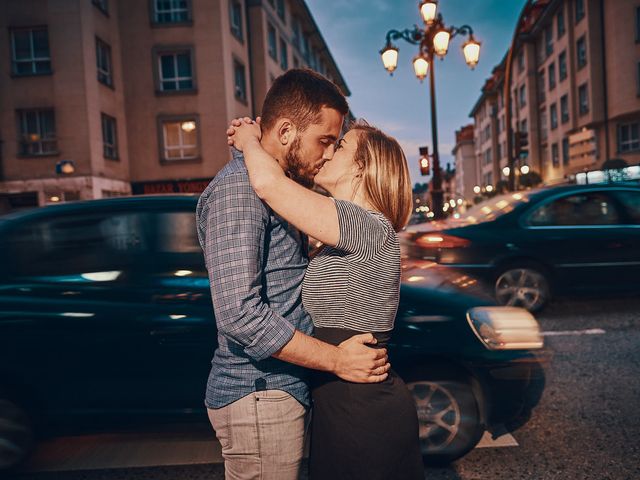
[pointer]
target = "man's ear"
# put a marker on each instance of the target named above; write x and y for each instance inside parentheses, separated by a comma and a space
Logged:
(286, 131)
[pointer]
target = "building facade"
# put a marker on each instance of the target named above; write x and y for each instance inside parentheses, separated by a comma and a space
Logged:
(467, 174)
(575, 92)
(110, 97)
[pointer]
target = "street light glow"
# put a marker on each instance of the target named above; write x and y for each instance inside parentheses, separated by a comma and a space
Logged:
(506, 171)
(420, 67)
(524, 169)
(471, 51)
(476, 189)
(390, 58)
(489, 188)
(441, 42)
(428, 9)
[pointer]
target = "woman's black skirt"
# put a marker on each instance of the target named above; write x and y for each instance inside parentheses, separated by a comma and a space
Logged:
(362, 431)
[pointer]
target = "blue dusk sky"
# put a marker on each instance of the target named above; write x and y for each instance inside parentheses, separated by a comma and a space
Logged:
(355, 31)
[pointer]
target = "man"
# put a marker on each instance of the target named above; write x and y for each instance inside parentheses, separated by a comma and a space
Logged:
(257, 396)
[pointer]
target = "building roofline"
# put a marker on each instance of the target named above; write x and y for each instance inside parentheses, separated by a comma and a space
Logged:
(316, 31)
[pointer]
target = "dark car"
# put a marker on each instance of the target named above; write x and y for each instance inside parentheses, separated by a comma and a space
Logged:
(106, 321)
(550, 241)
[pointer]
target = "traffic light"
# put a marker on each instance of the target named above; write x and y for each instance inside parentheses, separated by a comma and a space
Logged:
(522, 144)
(425, 164)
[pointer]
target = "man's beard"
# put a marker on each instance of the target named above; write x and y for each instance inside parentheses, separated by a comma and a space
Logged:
(296, 167)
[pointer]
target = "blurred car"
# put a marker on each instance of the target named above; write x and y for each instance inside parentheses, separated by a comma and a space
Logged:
(106, 321)
(535, 244)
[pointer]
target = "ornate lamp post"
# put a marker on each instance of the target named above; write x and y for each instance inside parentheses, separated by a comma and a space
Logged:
(433, 41)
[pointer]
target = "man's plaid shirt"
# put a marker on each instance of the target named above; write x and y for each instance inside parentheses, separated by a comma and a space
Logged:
(256, 263)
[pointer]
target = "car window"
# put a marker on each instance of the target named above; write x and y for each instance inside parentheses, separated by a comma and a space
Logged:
(83, 247)
(631, 202)
(177, 232)
(583, 209)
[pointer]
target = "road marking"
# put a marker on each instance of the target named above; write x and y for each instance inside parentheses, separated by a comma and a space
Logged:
(591, 331)
(506, 440)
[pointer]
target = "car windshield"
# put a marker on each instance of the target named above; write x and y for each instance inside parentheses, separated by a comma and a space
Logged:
(492, 208)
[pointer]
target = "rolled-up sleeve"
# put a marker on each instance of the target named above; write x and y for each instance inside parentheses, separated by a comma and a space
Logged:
(233, 225)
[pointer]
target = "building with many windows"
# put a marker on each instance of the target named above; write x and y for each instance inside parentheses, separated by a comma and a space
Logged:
(575, 92)
(111, 97)
(466, 168)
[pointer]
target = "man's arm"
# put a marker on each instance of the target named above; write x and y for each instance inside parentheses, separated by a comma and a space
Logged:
(234, 222)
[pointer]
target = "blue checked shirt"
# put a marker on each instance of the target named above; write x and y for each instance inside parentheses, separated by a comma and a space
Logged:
(256, 263)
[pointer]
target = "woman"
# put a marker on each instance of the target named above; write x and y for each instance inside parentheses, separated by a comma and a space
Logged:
(351, 286)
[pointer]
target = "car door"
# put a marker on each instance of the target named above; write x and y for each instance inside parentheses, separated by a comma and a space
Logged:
(180, 317)
(581, 235)
(630, 255)
(71, 317)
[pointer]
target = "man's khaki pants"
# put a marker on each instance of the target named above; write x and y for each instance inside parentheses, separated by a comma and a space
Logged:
(262, 436)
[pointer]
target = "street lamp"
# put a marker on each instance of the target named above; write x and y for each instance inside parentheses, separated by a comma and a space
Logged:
(421, 67)
(428, 10)
(432, 40)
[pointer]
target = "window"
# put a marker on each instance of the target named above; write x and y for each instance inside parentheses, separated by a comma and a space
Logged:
(631, 202)
(109, 137)
(284, 54)
(305, 49)
(562, 65)
(240, 82)
(543, 126)
(565, 151)
(583, 99)
(548, 40)
(553, 116)
(523, 96)
(37, 132)
(638, 24)
(487, 156)
(638, 80)
(591, 208)
(67, 247)
(541, 86)
(564, 109)
(272, 42)
(524, 126)
(521, 61)
(175, 71)
(103, 63)
(581, 52)
(560, 22)
(102, 5)
(297, 36)
(179, 138)
(280, 8)
(30, 51)
(171, 11)
(628, 137)
(296, 62)
(235, 18)
(555, 156)
(579, 10)
(499, 150)
(552, 76)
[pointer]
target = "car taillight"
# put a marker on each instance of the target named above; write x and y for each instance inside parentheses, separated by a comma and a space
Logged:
(440, 240)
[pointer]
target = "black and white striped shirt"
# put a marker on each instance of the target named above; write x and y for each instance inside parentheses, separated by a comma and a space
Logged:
(356, 284)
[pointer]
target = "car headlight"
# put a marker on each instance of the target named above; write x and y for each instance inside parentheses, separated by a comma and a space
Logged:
(505, 328)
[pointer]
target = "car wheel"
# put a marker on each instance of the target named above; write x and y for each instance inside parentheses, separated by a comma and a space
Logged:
(522, 286)
(449, 422)
(16, 434)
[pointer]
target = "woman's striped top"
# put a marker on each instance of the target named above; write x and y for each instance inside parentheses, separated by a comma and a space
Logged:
(356, 284)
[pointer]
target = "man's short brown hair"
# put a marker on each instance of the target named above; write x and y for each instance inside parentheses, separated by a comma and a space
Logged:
(299, 95)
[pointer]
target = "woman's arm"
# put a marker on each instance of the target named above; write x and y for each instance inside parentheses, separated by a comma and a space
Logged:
(307, 210)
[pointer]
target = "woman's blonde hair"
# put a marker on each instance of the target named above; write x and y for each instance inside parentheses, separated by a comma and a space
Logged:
(385, 178)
